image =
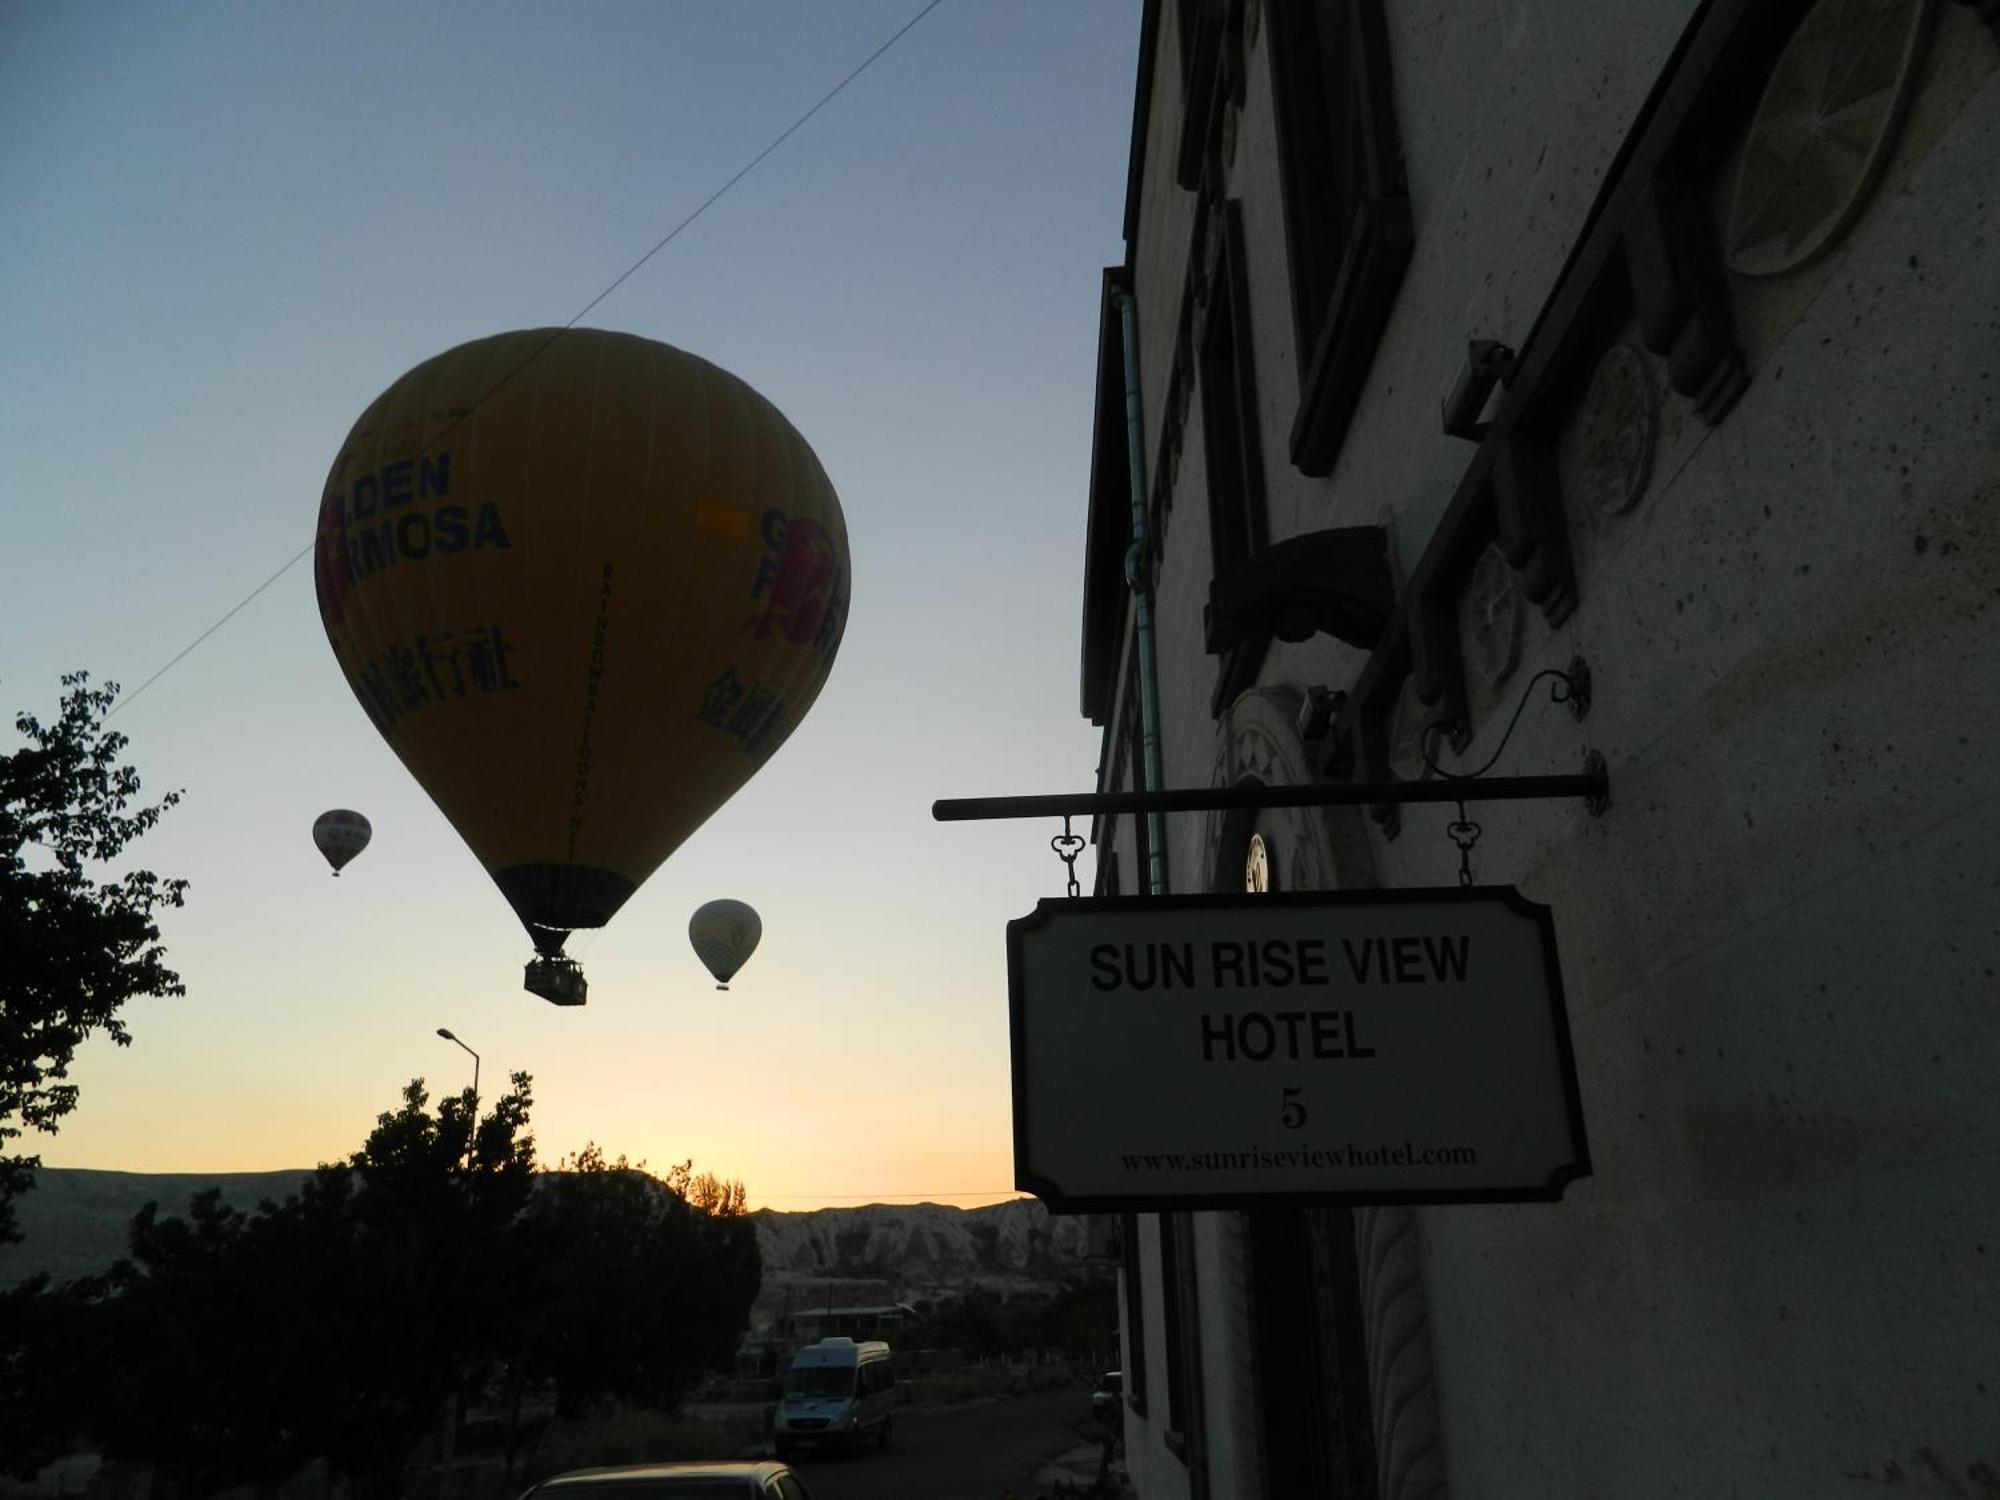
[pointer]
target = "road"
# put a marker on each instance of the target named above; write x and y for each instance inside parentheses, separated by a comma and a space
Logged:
(979, 1451)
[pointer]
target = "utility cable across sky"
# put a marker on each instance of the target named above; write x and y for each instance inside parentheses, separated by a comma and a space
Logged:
(667, 239)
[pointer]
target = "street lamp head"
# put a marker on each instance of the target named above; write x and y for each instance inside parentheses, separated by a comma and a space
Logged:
(445, 1032)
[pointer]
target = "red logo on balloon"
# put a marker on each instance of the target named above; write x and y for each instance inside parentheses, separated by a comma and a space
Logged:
(800, 580)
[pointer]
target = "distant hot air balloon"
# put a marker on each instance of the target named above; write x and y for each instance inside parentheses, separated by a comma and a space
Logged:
(724, 933)
(584, 584)
(341, 835)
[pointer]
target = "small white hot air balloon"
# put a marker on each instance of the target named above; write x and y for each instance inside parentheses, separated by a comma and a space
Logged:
(724, 934)
(340, 835)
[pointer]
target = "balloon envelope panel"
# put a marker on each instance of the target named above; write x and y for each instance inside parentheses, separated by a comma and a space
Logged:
(584, 584)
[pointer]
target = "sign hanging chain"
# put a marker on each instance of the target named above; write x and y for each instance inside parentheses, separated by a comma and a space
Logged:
(1068, 846)
(1465, 834)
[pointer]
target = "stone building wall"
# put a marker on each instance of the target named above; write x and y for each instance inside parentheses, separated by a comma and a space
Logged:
(1781, 946)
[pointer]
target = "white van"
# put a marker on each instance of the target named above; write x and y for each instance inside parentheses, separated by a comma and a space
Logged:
(837, 1393)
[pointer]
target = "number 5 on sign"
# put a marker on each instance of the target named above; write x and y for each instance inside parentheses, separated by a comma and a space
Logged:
(1293, 1115)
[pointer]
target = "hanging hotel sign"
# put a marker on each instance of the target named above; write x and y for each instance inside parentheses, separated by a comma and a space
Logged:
(1227, 1051)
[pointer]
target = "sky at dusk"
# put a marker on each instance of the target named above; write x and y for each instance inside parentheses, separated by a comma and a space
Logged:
(230, 226)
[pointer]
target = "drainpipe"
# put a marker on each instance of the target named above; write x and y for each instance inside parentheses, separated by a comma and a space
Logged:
(1142, 597)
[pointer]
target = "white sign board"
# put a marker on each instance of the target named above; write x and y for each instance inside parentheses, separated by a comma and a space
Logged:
(1224, 1051)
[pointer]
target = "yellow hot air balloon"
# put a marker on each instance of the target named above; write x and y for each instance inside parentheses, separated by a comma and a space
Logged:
(724, 934)
(584, 584)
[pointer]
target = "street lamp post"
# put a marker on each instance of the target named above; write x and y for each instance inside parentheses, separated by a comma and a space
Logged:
(473, 1128)
(448, 1418)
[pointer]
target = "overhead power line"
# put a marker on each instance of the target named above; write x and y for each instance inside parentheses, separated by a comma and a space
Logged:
(825, 99)
(233, 609)
(665, 240)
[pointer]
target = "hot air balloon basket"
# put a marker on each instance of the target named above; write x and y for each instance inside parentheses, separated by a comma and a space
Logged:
(559, 981)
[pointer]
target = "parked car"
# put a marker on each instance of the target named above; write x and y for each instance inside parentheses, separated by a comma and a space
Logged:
(720, 1479)
(1104, 1399)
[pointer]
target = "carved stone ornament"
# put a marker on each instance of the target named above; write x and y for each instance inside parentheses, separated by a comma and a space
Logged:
(1607, 449)
(1492, 618)
(1307, 849)
(1395, 1312)
(1824, 130)
(1254, 739)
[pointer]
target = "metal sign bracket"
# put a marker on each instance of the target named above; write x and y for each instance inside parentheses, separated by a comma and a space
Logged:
(1592, 785)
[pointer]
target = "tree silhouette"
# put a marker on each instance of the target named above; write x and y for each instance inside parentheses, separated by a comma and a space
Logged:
(233, 1348)
(47, 1374)
(419, 1301)
(76, 948)
(189, 1370)
(642, 1283)
(236, 1348)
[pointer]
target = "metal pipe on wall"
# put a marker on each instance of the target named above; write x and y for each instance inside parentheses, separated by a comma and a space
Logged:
(1137, 580)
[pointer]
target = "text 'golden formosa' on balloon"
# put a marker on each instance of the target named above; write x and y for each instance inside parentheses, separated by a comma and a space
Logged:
(584, 584)
(724, 934)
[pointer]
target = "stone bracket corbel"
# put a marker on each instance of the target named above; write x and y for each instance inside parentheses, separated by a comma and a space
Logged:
(1682, 296)
(1334, 582)
(1437, 662)
(1488, 363)
(1533, 535)
(1371, 754)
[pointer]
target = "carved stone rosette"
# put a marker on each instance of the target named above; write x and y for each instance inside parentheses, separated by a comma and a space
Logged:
(1606, 454)
(1824, 130)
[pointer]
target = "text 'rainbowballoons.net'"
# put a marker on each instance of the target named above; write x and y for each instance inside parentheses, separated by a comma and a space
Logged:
(584, 584)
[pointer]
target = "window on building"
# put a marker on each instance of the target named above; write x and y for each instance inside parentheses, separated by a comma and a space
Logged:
(1311, 1361)
(1347, 209)
(1186, 1433)
(1237, 525)
(1211, 72)
(1135, 1313)
(1107, 601)
(1170, 1305)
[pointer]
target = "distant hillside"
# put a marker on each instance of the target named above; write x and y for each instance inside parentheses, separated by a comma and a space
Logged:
(74, 1223)
(926, 1242)
(905, 1253)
